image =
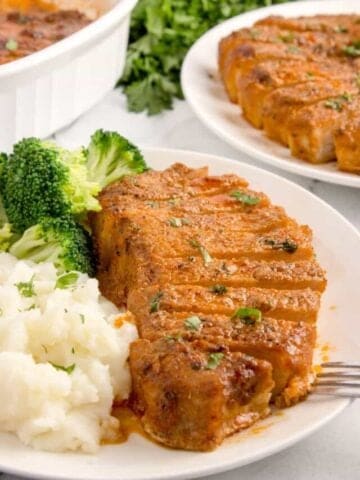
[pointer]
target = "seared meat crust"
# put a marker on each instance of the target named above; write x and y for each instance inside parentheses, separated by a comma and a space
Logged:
(298, 79)
(183, 252)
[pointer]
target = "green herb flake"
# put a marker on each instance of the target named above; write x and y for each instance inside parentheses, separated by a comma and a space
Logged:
(73, 350)
(338, 103)
(288, 245)
(26, 289)
(69, 370)
(340, 29)
(192, 323)
(254, 33)
(32, 307)
(218, 289)
(249, 316)
(155, 302)
(152, 204)
(352, 50)
(82, 318)
(178, 222)
(66, 280)
(214, 360)
(245, 198)
(204, 253)
(293, 49)
(287, 37)
(173, 338)
(11, 45)
(309, 75)
(173, 202)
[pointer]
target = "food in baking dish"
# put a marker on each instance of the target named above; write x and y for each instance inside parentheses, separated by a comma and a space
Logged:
(23, 33)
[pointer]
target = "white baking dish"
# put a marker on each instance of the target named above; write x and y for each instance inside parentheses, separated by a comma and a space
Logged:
(49, 89)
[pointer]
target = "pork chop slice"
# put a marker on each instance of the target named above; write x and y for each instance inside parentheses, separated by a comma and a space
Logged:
(283, 103)
(331, 24)
(154, 269)
(266, 77)
(292, 305)
(288, 346)
(347, 142)
(190, 395)
(312, 129)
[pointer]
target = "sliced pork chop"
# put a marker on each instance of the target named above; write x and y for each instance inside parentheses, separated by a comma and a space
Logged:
(172, 248)
(283, 103)
(265, 77)
(190, 395)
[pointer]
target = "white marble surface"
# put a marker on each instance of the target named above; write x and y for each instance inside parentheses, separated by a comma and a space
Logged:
(331, 453)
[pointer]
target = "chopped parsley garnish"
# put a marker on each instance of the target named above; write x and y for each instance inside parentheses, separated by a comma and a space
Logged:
(218, 289)
(288, 245)
(178, 222)
(82, 317)
(32, 307)
(204, 253)
(249, 316)
(192, 323)
(254, 33)
(26, 289)
(352, 50)
(338, 102)
(287, 37)
(214, 360)
(11, 45)
(358, 80)
(293, 49)
(245, 198)
(155, 302)
(73, 350)
(309, 75)
(340, 29)
(66, 280)
(173, 338)
(173, 202)
(152, 204)
(69, 370)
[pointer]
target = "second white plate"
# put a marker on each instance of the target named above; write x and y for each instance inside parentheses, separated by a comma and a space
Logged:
(206, 95)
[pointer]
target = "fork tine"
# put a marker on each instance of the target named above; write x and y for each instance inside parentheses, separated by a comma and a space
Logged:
(340, 364)
(337, 383)
(339, 374)
(334, 393)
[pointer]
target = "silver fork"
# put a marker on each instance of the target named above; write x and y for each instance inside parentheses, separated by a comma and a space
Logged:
(340, 379)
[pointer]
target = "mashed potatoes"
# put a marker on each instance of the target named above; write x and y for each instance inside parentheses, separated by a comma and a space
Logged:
(62, 361)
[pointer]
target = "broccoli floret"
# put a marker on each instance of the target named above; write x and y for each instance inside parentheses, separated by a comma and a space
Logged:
(42, 180)
(58, 240)
(111, 156)
(7, 237)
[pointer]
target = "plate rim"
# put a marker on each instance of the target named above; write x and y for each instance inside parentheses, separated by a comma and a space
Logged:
(307, 169)
(198, 472)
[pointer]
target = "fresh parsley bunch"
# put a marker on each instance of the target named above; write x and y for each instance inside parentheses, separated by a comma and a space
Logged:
(161, 33)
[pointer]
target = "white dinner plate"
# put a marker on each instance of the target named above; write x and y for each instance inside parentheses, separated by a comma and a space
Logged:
(206, 95)
(337, 246)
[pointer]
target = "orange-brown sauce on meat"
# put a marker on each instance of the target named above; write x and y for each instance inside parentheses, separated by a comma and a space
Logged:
(24, 31)
(129, 424)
